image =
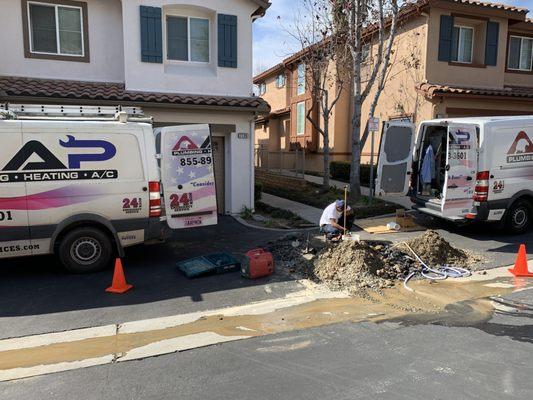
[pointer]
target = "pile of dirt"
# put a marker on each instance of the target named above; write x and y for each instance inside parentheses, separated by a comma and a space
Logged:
(434, 250)
(354, 266)
(349, 265)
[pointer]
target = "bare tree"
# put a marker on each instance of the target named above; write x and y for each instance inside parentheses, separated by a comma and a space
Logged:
(320, 55)
(355, 18)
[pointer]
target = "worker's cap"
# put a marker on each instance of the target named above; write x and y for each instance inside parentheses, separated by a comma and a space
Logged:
(339, 204)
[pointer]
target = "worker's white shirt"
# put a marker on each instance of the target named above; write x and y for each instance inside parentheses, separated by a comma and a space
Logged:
(329, 213)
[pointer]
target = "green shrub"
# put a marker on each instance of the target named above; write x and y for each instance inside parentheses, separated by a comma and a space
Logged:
(340, 170)
(258, 189)
(246, 213)
(364, 172)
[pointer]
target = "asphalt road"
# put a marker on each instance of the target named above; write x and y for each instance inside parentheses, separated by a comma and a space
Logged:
(391, 360)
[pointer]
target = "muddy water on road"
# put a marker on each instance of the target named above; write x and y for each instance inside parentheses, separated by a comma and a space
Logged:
(449, 303)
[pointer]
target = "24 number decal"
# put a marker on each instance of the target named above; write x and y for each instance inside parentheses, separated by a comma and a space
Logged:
(131, 206)
(498, 186)
(181, 202)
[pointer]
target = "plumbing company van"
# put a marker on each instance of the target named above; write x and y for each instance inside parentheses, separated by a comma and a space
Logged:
(462, 168)
(84, 188)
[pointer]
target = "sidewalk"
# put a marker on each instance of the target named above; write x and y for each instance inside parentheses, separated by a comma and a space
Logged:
(404, 201)
(311, 214)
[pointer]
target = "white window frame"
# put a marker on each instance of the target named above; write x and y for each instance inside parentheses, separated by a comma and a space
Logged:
(299, 105)
(520, 53)
(300, 85)
(283, 77)
(58, 42)
(261, 88)
(459, 44)
(188, 61)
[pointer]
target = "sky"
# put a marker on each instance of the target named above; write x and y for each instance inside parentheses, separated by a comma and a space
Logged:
(273, 43)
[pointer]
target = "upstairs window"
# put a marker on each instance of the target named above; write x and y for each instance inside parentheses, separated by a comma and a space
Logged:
(262, 89)
(301, 79)
(187, 39)
(463, 44)
(280, 82)
(300, 118)
(55, 29)
(520, 53)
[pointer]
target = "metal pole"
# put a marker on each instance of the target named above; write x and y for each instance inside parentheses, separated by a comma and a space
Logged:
(345, 206)
(371, 183)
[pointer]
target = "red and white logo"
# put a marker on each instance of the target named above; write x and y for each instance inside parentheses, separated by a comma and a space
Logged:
(521, 150)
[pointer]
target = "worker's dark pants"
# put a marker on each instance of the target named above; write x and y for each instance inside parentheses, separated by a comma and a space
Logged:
(331, 230)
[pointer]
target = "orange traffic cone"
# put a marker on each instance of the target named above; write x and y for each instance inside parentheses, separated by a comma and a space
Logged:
(520, 265)
(119, 284)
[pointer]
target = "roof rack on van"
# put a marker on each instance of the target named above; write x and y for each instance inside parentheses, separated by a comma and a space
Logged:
(72, 112)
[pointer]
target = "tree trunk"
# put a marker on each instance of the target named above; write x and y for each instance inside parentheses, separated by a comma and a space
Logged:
(355, 180)
(325, 181)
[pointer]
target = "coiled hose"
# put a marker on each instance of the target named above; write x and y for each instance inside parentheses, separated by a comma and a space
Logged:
(434, 273)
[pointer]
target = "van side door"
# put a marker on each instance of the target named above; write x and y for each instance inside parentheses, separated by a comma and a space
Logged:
(14, 229)
(395, 158)
(461, 169)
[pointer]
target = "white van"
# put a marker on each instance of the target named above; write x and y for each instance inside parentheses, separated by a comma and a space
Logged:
(81, 188)
(462, 168)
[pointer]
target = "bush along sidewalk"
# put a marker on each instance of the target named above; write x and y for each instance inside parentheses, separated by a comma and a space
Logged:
(272, 217)
(314, 196)
(340, 170)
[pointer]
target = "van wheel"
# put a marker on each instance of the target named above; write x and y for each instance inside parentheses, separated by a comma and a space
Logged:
(518, 218)
(85, 250)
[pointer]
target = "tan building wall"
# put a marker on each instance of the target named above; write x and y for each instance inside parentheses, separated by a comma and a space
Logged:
(276, 97)
(407, 68)
(475, 75)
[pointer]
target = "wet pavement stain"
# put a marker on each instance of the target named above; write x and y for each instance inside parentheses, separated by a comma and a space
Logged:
(448, 303)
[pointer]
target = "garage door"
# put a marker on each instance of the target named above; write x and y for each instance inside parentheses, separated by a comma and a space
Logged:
(218, 154)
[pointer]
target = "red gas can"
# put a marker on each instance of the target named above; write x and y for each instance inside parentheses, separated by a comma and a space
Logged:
(260, 263)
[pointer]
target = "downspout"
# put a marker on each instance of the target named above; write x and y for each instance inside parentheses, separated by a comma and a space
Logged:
(252, 166)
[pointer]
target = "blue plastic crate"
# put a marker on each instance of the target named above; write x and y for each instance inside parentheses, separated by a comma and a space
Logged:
(211, 263)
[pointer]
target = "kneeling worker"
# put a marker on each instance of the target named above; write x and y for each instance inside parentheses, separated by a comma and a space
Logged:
(332, 220)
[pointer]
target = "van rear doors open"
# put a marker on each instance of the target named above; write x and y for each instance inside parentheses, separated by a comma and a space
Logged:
(395, 158)
(188, 176)
(461, 169)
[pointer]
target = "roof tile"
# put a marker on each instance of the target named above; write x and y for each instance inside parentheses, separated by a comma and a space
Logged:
(43, 89)
(431, 90)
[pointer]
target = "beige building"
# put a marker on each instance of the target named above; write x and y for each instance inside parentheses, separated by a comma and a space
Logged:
(451, 58)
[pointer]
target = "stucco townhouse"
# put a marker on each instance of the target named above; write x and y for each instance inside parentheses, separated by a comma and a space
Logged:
(182, 62)
(451, 58)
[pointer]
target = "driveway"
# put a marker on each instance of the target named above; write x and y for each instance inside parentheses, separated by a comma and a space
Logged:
(37, 296)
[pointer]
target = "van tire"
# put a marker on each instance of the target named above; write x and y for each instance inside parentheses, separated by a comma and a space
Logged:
(518, 217)
(85, 249)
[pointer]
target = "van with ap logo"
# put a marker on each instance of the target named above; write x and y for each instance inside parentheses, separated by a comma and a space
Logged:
(80, 188)
(462, 168)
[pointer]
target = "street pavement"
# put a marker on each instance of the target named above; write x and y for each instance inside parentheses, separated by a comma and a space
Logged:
(398, 359)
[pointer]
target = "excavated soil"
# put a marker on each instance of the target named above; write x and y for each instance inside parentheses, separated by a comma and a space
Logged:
(348, 265)
(356, 266)
(434, 250)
